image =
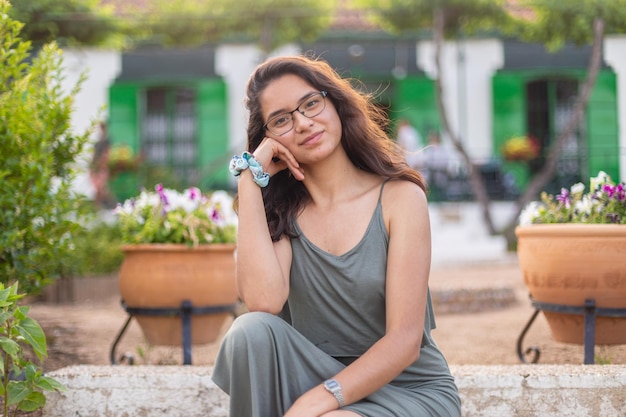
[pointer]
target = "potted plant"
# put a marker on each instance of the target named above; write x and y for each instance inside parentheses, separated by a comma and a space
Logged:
(122, 159)
(179, 246)
(123, 165)
(571, 248)
(520, 148)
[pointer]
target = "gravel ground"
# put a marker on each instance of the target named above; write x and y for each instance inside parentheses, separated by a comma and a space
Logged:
(481, 308)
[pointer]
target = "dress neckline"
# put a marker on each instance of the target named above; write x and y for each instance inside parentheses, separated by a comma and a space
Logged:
(376, 212)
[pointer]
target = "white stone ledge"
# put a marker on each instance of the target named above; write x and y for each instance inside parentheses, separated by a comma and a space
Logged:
(542, 390)
(486, 391)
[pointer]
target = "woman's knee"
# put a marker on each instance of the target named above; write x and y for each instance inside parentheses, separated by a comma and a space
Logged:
(256, 325)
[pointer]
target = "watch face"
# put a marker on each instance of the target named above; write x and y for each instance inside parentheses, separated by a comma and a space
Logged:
(332, 384)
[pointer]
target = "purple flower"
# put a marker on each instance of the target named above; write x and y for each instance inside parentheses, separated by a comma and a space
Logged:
(161, 191)
(620, 192)
(609, 190)
(215, 215)
(613, 218)
(564, 197)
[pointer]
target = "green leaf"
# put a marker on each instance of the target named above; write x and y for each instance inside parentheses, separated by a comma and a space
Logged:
(9, 346)
(34, 335)
(50, 384)
(34, 401)
(18, 390)
(4, 294)
(31, 372)
(4, 316)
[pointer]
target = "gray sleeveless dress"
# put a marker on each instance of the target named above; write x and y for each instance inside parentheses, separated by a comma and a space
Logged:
(335, 312)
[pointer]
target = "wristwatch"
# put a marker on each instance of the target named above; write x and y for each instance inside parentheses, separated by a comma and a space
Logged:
(334, 388)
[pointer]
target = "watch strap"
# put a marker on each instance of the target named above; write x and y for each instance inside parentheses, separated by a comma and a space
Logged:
(332, 386)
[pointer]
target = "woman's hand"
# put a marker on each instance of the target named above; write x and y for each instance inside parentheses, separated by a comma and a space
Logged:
(275, 157)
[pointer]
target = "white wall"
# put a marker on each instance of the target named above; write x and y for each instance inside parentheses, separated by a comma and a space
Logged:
(236, 63)
(100, 67)
(468, 68)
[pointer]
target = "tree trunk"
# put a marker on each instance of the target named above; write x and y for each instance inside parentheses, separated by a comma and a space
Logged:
(476, 181)
(539, 181)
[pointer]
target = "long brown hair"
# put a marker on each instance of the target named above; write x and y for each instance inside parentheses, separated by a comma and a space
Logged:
(363, 138)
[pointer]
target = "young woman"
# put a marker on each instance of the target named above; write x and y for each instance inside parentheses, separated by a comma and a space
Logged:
(333, 260)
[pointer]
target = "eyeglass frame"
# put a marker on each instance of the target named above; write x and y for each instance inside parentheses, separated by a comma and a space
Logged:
(297, 109)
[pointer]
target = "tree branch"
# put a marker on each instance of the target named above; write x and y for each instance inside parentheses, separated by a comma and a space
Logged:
(476, 181)
(547, 172)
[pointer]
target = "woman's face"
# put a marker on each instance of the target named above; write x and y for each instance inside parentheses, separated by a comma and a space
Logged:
(310, 139)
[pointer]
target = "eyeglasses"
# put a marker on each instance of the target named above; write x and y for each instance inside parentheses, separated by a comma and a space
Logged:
(309, 107)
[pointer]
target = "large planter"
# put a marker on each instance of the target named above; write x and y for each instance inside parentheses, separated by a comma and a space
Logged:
(568, 263)
(157, 276)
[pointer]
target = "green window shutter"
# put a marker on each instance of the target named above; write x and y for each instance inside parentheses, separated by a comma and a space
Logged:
(415, 101)
(602, 127)
(123, 129)
(213, 134)
(509, 107)
(509, 117)
(123, 115)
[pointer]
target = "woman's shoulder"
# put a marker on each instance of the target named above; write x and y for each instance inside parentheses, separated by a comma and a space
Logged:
(403, 200)
(401, 195)
(399, 188)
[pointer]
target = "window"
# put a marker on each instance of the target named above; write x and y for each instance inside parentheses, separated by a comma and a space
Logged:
(550, 105)
(169, 133)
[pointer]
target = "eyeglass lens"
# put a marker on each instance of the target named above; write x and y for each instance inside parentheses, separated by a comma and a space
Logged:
(311, 107)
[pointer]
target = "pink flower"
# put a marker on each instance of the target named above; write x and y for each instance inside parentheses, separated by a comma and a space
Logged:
(564, 197)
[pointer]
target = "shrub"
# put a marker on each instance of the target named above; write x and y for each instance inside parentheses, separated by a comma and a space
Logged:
(39, 212)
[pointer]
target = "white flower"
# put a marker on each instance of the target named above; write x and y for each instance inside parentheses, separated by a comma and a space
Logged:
(530, 213)
(598, 181)
(224, 202)
(585, 205)
(144, 200)
(578, 188)
(184, 201)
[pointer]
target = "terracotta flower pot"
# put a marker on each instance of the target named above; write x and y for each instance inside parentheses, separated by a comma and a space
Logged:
(569, 263)
(165, 275)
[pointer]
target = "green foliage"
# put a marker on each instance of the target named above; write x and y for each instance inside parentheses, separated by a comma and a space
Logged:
(555, 22)
(173, 23)
(23, 381)
(270, 22)
(277, 22)
(459, 15)
(96, 250)
(66, 22)
(38, 209)
(605, 203)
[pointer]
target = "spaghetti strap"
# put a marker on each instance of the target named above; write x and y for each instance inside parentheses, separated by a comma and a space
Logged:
(382, 186)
